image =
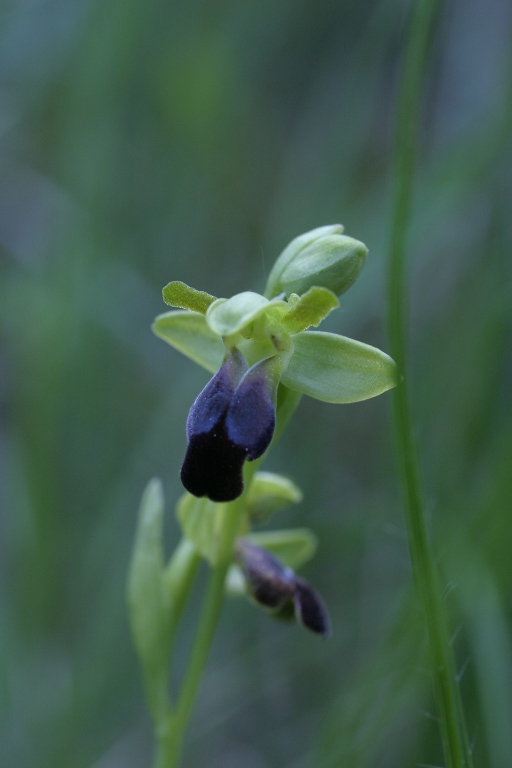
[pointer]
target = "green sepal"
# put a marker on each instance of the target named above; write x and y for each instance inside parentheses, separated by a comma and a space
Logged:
(291, 251)
(294, 546)
(199, 522)
(188, 332)
(269, 492)
(226, 317)
(335, 369)
(310, 309)
(178, 294)
(149, 602)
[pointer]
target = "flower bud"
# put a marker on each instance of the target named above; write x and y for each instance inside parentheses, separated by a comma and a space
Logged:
(277, 588)
(326, 259)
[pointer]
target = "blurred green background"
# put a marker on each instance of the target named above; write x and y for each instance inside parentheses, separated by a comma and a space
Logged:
(157, 141)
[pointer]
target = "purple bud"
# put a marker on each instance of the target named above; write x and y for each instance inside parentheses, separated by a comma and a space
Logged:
(269, 582)
(275, 586)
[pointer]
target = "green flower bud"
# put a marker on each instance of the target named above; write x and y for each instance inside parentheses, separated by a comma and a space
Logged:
(323, 257)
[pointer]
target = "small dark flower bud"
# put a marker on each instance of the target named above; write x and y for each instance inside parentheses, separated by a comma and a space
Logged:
(269, 582)
(277, 588)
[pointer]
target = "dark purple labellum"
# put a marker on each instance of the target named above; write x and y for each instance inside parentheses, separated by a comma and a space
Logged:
(251, 417)
(232, 419)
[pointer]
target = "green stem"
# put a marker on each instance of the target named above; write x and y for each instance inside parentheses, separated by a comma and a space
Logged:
(170, 738)
(457, 753)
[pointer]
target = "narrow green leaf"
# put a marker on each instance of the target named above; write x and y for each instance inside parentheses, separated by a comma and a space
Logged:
(294, 547)
(310, 309)
(178, 294)
(198, 519)
(149, 603)
(228, 316)
(335, 369)
(145, 594)
(189, 333)
(268, 493)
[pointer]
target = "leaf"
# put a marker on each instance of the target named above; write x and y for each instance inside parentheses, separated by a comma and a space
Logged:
(149, 602)
(228, 316)
(145, 593)
(335, 369)
(310, 309)
(178, 294)
(294, 547)
(189, 333)
(199, 523)
(269, 492)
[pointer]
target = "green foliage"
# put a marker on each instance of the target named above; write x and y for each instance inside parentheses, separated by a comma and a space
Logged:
(149, 602)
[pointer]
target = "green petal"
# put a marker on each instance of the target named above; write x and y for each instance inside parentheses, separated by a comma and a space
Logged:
(338, 370)
(310, 309)
(178, 294)
(228, 316)
(189, 333)
(269, 492)
(294, 547)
